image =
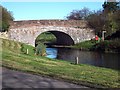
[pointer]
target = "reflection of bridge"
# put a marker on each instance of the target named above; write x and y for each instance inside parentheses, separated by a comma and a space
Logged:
(67, 32)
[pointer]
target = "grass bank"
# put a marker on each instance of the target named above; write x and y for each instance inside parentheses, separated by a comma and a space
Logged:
(102, 46)
(15, 58)
(86, 45)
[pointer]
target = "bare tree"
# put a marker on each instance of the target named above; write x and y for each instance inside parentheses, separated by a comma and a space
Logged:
(74, 15)
(79, 14)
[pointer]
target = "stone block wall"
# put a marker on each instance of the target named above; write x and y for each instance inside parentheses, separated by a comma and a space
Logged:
(4, 35)
(63, 23)
(27, 31)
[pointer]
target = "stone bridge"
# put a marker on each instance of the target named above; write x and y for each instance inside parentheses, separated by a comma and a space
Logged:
(67, 32)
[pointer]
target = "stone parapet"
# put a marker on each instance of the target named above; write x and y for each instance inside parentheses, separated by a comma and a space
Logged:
(63, 23)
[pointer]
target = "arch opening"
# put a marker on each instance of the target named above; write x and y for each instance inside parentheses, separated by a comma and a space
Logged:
(54, 38)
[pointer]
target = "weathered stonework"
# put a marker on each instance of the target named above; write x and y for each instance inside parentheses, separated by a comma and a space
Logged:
(27, 31)
(4, 35)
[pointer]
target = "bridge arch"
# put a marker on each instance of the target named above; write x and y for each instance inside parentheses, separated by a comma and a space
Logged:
(62, 38)
(73, 31)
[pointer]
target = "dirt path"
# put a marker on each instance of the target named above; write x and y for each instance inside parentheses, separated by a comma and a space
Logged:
(16, 79)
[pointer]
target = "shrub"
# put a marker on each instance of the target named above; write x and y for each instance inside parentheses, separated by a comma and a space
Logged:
(25, 47)
(108, 46)
(40, 49)
(86, 45)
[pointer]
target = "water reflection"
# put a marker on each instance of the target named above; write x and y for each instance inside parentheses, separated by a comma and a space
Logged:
(51, 52)
(108, 60)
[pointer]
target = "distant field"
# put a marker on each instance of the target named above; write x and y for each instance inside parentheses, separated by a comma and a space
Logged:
(46, 37)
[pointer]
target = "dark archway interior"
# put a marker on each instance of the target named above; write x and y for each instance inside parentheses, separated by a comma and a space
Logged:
(61, 39)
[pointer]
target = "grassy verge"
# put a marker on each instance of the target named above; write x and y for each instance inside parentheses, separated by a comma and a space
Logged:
(14, 58)
(103, 46)
(86, 45)
(108, 46)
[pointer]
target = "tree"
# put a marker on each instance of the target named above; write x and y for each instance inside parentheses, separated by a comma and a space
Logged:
(6, 19)
(85, 12)
(74, 15)
(97, 21)
(112, 13)
(116, 18)
(79, 14)
(110, 6)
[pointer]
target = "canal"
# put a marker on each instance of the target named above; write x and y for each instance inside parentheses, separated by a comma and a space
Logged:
(107, 60)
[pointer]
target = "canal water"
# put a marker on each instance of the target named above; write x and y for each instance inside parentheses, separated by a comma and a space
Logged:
(107, 60)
